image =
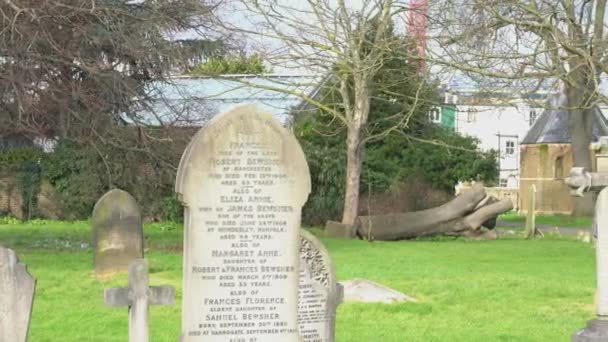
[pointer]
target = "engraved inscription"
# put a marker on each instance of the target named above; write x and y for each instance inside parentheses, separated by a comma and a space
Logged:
(241, 250)
(313, 313)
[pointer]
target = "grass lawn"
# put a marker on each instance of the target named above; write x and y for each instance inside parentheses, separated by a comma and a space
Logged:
(551, 220)
(505, 290)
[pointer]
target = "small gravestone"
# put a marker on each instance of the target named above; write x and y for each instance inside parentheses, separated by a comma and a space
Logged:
(319, 293)
(531, 214)
(138, 297)
(117, 232)
(243, 180)
(17, 288)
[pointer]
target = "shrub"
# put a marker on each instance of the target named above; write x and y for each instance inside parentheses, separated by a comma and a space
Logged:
(232, 65)
(172, 209)
(29, 182)
(25, 163)
(72, 170)
(82, 173)
(423, 151)
(12, 160)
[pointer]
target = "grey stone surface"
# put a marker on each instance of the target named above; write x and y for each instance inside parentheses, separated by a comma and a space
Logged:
(243, 180)
(596, 331)
(337, 230)
(17, 289)
(363, 290)
(117, 232)
(319, 292)
(601, 219)
(138, 297)
(552, 125)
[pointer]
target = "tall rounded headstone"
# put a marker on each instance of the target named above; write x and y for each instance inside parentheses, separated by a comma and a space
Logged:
(117, 233)
(243, 180)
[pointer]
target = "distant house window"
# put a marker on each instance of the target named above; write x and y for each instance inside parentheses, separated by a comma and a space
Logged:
(435, 115)
(471, 115)
(503, 183)
(510, 147)
(533, 115)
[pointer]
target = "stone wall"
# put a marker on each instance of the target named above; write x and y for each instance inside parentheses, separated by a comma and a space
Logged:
(10, 197)
(500, 193)
(546, 166)
(11, 200)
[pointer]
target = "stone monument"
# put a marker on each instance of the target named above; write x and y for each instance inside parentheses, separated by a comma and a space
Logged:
(138, 297)
(243, 180)
(17, 289)
(319, 294)
(582, 180)
(117, 232)
(597, 329)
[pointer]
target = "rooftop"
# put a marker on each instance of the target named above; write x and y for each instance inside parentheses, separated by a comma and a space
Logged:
(551, 127)
(192, 101)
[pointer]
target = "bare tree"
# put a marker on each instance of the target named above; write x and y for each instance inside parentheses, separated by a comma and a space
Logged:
(348, 45)
(74, 68)
(560, 44)
(90, 74)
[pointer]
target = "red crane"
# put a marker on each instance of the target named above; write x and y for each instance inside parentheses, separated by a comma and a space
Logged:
(417, 22)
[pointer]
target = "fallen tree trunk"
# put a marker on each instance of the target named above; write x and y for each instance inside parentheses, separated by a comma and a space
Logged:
(467, 212)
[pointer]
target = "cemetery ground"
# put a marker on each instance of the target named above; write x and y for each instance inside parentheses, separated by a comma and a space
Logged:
(510, 289)
(566, 221)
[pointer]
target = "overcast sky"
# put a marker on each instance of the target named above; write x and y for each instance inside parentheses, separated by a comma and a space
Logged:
(235, 14)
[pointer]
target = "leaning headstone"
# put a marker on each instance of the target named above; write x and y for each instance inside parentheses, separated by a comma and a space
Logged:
(117, 232)
(319, 294)
(138, 297)
(531, 214)
(243, 180)
(17, 288)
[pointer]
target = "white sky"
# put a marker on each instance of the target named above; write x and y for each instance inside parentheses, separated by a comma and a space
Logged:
(235, 14)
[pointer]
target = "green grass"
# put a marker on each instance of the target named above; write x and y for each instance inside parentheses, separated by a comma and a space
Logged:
(551, 220)
(57, 235)
(505, 290)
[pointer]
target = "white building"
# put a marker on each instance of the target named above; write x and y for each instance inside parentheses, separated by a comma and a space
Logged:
(498, 120)
(501, 128)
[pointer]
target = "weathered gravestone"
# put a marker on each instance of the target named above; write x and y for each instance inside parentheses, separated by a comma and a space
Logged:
(17, 288)
(243, 180)
(117, 232)
(138, 297)
(531, 230)
(319, 293)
